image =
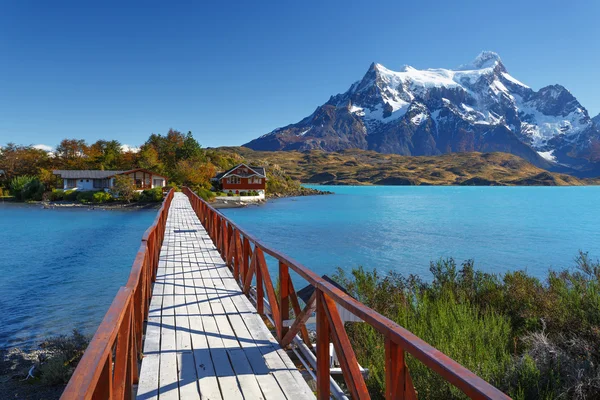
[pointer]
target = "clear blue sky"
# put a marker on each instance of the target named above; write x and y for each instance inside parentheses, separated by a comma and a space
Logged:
(231, 71)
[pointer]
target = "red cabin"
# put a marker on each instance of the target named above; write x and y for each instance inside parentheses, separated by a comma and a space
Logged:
(243, 178)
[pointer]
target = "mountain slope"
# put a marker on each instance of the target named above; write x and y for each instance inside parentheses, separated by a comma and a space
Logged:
(476, 107)
(596, 120)
(363, 167)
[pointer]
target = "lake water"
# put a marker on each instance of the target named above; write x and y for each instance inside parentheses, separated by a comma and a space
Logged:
(403, 228)
(60, 269)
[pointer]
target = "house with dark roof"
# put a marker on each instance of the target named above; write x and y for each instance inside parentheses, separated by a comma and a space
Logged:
(243, 178)
(103, 180)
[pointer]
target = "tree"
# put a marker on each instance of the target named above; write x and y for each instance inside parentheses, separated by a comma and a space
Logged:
(72, 153)
(123, 188)
(190, 149)
(105, 154)
(18, 160)
(194, 173)
(148, 158)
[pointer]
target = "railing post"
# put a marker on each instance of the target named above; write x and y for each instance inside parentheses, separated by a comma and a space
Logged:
(260, 293)
(246, 257)
(284, 292)
(323, 363)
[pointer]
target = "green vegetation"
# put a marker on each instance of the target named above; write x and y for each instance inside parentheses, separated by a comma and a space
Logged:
(62, 355)
(123, 188)
(101, 197)
(531, 339)
(205, 194)
(175, 155)
(152, 195)
(361, 167)
(26, 188)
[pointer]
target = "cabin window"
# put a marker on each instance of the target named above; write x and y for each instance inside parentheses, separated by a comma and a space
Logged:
(71, 183)
(235, 180)
(100, 183)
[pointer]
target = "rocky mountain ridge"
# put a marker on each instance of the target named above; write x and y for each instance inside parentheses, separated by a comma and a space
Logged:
(475, 107)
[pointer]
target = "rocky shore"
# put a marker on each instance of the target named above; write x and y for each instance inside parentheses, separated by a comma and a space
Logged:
(103, 206)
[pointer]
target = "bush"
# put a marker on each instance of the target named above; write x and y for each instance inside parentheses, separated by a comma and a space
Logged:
(123, 189)
(33, 190)
(85, 197)
(205, 194)
(243, 193)
(229, 194)
(17, 184)
(63, 352)
(101, 197)
(27, 188)
(57, 195)
(71, 195)
(152, 195)
(529, 338)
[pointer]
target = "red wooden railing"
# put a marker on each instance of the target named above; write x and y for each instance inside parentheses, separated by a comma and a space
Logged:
(245, 255)
(109, 366)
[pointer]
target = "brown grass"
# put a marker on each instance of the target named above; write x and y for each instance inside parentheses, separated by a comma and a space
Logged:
(360, 167)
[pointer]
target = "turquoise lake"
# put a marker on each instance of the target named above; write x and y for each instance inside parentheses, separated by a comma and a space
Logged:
(403, 228)
(60, 269)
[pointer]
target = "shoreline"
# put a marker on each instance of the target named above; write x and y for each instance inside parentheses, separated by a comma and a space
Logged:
(223, 204)
(90, 206)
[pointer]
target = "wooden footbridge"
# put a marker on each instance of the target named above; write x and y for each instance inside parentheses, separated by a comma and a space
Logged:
(199, 318)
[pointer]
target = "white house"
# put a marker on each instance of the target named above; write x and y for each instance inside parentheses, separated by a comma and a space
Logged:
(100, 180)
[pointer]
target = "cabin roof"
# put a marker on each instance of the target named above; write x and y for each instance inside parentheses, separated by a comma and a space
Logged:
(96, 174)
(260, 171)
(85, 173)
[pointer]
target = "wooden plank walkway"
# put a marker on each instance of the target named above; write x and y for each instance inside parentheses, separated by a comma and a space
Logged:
(204, 338)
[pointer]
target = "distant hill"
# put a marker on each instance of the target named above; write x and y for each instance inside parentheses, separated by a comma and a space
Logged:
(362, 167)
(478, 106)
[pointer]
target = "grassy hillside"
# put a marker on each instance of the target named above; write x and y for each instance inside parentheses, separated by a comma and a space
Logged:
(360, 167)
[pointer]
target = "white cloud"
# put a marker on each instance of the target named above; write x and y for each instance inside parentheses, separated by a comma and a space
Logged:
(44, 147)
(126, 148)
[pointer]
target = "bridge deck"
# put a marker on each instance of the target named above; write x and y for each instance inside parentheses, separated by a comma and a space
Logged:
(204, 338)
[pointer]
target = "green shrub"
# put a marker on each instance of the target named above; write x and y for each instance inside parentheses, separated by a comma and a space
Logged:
(85, 197)
(57, 195)
(136, 196)
(205, 194)
(63, 353)
(27, 188)
(243, 193)
(33, 190)
(229, 194)
(152, 195)
(71, 195)
(101, 197)
(530, 338)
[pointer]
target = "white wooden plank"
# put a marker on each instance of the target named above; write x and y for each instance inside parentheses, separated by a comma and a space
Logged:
(204, 337)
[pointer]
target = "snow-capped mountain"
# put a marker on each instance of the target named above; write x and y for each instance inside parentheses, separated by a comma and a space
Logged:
(596, 119)
(476, 107)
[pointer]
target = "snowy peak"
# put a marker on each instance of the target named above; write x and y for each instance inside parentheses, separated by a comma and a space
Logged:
(476, 107)
(596, 120)
(485, 59)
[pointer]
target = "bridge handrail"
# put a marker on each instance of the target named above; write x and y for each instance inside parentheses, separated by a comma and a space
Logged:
(247, 263)
(109, 366)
